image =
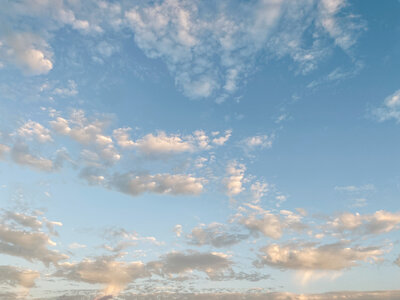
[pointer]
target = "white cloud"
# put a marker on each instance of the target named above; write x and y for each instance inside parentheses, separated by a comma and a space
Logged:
(30, 53)
(174, 184)
(162, 144)
(390, 108)
(105, 270)
(332, 257)
(234, 181)
(35, 130)
(209, 49)
(258, 220)
(178, 230)
(378, 223)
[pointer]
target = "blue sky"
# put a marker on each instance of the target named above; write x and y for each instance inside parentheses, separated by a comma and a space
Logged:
(199, 149)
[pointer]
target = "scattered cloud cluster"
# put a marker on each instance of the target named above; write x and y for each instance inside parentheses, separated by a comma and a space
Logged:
(33, 244)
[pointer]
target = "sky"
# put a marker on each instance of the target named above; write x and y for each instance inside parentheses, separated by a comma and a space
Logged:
(185, 149)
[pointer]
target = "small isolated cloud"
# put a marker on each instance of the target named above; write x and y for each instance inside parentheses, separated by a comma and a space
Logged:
(333, 257)
(260, 221)
(235, 177)
(216, 235)
(173, 184)
(178, 263)
(162, 144)
(390, 109)
(178, 230)
(222, 139)
(258, 141)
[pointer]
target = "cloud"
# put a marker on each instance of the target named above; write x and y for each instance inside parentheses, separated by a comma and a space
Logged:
(15, 276)
(377, 223)
(35, 130)
(106, 270)
(31, 245)
(222, 139)
(30, 53)
(214, 234)
(210, 49)
(177, 263)
(20, 154)
(174, 184)
(234, 181)
(178, 230)
(260, 221)
(162, 144)
(390, 108)
(258, 141)
(334, 257)
(88, 134)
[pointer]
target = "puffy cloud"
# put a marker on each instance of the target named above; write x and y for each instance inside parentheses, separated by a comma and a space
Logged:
(121, 135)
(162, 144)
(376, 223)
(178, 230)
(106, 270)
(14, 276)
(216, 235)
(31, 245)
(176, 263)
(35, 130)
(234, 181)
(390, 108)
(333, 257)
(268, 224)
(88, 134)
(30, 53)
(174, 184)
